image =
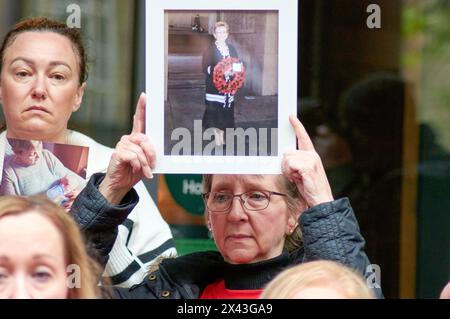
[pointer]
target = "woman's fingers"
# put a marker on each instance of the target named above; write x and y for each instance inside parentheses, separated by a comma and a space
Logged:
(70, 194)
(304, 167)
(138, 137)
(304, 142)
(144, 142)
(299, 162)
(139, 115)
(139, 162)
(133, 158)
(143, 151)
(306, 170)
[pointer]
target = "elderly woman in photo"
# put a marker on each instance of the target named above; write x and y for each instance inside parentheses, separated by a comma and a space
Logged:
(43, 76)
(219, 101)
(261, 224)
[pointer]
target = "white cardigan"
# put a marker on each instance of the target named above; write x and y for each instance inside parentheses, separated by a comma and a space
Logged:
(142, 238)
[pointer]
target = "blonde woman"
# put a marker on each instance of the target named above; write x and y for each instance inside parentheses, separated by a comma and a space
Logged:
(42, 253)
(322, 279)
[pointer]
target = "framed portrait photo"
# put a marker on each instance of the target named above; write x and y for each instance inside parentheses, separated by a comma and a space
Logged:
(221, 82)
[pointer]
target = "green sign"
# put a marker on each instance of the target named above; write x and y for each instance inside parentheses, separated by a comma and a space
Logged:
(187, 191)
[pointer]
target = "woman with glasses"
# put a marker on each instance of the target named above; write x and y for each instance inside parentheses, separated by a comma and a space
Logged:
(261, 225)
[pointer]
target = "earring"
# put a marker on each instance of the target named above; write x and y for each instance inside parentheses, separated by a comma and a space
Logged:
(291, 230)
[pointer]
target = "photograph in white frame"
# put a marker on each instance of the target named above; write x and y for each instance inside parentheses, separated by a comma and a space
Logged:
(221, 81)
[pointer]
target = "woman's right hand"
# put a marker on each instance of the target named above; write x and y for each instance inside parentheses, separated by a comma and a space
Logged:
(133, 158)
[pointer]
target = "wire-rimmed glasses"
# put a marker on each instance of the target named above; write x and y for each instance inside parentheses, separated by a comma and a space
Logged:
(251, 200)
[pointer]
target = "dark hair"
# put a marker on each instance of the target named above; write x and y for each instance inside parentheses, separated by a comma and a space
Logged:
(42, 24)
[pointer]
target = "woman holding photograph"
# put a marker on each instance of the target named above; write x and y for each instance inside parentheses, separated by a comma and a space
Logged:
(261, 224)
(43, 74)
(224, 76)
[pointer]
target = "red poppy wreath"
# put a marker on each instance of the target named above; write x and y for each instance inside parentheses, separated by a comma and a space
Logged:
(235, 82)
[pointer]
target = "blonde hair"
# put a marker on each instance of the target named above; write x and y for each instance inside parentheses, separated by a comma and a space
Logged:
(75, 250)
(220, 24)
(321, 273)
(292, 241)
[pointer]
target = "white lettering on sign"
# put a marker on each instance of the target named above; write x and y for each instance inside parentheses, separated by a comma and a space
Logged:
(192, 187)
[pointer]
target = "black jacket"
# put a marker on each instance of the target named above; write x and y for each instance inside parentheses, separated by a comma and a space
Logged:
(99, 220)
(330, 231)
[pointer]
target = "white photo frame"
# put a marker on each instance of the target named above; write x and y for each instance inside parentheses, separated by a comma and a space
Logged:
(156, 82)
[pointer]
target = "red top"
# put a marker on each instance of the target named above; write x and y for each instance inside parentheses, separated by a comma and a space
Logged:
(217, 290)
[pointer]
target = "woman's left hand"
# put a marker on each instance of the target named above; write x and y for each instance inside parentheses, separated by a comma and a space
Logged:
(71, 196)
(133, 158)
(304, 167)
